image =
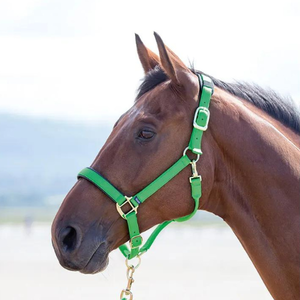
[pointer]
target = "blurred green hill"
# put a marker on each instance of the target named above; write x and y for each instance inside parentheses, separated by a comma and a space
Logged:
(39, 161)
(39, 158)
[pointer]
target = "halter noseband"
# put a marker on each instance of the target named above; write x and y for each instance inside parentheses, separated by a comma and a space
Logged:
(200, 124)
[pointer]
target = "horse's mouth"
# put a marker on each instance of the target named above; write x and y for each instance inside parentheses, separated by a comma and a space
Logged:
(95, 263)
(98, 261)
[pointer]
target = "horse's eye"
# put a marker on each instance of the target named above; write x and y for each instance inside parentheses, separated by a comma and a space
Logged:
(146, 135)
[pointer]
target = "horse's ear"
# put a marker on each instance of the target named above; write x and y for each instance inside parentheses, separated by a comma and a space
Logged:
(148, 59)
(170, 62)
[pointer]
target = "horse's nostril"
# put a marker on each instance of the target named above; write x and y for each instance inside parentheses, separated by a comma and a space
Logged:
(69, 239)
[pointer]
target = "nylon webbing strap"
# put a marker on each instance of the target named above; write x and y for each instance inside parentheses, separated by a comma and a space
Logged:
(165, 177)
(103, 184)
(202, 114)
(200, 124)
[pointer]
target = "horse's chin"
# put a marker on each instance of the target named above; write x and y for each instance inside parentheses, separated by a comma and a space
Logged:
(98, 261)
(95, 266)
(86, 263)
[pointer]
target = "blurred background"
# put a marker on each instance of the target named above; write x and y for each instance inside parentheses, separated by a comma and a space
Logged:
(68, 70)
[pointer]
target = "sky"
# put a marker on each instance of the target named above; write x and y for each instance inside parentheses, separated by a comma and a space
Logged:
(76, 60)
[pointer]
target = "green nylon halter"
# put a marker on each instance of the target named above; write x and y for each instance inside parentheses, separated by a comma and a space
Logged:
(200, 124)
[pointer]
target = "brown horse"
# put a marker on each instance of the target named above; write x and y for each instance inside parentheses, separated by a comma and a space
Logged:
(250, 168)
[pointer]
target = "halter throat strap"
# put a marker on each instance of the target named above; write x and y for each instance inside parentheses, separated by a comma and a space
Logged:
(200, 124)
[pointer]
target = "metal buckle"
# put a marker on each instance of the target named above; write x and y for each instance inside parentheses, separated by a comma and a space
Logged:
(201, 109)
(119, 207)
(135, 237)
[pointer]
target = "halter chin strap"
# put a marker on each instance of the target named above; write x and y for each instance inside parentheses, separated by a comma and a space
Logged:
(200, 124)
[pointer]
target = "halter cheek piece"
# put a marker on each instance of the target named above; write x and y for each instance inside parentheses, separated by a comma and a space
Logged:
(200, 124)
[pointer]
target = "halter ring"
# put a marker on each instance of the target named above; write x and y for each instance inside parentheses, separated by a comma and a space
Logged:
(194, 160)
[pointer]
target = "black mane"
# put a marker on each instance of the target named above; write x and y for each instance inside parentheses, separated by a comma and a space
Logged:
(151, 80)
(281, 109)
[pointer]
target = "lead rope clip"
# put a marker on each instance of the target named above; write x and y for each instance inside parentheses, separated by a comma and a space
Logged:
(126, 294)
(194, 171)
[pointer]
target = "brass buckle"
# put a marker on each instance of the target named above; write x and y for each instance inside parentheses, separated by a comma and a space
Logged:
(135, 237)
(119, 207)
(126, 294)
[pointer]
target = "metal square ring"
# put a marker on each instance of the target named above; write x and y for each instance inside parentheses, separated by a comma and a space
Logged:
(119, 207)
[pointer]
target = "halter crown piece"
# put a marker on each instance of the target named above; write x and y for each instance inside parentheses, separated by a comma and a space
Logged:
(200, 124)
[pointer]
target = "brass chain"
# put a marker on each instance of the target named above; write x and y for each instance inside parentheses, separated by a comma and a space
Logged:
(126, 294)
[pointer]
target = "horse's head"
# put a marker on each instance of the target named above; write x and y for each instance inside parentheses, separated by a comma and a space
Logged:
(145, 141)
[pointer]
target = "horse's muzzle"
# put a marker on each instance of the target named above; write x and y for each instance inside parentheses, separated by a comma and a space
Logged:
(77, 251)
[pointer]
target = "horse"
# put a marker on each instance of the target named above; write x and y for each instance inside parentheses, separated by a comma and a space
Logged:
(250, 169)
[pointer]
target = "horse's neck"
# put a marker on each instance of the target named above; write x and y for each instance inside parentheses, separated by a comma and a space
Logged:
(257, 190)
